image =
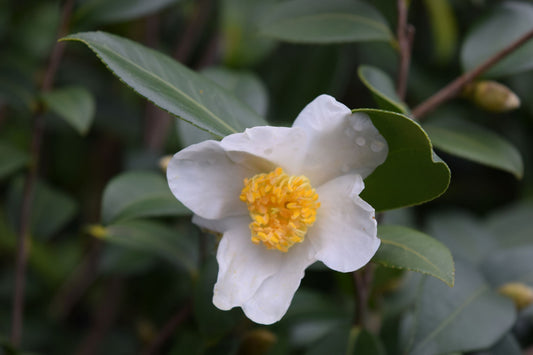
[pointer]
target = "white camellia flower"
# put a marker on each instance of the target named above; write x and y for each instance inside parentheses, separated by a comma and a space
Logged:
(283, 198)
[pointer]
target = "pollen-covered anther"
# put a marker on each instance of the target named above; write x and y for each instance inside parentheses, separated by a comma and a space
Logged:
(282, 208)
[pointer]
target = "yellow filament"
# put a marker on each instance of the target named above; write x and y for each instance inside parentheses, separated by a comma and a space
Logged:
(282, 208)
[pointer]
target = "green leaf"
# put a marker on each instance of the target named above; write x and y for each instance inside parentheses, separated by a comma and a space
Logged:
(103, 11)
(444, 29)
(508, 345)
(467, 317)
(139, 194)
(466, 237)
(12, 159)
(333, 342)
(364, 342)
(511, 265)
(73, 104)
(170, 85)
(242, 45)
(475, 143)
(500, 27)
(244, 85)
(51, 208)
(178, 246)
(512, 226)
(412, 173)
(382, 88)
(317, 21)
(406, 248)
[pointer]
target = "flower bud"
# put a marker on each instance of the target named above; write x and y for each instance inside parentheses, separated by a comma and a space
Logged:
(257, 342)
(163, 162)
(96, 231)
(491, 96)
(521, 294)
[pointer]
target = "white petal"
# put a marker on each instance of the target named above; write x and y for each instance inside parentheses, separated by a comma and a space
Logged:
(275, 146)
(344, 235)
(242, 267)
(205, 180)
(220, 225)
(340, 142)
(273, 298)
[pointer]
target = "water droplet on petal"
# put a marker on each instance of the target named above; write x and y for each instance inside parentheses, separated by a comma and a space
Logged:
(350, 133)
(211, 161)
(377, 146)
(361, 141)
(361, 123)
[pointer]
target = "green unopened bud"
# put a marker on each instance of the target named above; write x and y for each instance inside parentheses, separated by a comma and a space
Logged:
(163, 162)
(521, 294)
(257, 342)
(491, 96)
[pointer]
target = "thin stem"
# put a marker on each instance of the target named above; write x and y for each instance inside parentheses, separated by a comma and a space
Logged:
(453, 89)
(362, 281)
(168, 329)
(29, 184)
(404, 34)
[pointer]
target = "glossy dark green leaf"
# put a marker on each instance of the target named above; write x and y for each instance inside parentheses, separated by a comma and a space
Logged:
(12, 159)
(467, 317)
(51, 208)
(73, 104)
(513, 225)
(139, 194)
(170, 85)
(475, 143)
(412, 173)
(406, 248)
(467, 238)
(316, 21)
(176, 245)
(504, 24)
(382, 88)
(510, 265)
(102, 11)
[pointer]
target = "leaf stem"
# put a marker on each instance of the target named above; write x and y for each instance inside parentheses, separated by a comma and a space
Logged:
(405, 33)
(452, 89)
(29, 184)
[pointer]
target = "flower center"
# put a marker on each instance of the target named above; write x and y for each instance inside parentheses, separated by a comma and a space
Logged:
(282, 207)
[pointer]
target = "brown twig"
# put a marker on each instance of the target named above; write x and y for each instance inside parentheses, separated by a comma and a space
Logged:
(453, 89)
(168, 329)
(29, 184)
(404, 35)
(362, 281)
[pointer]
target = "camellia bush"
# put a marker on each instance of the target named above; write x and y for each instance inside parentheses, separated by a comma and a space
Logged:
(266, 177)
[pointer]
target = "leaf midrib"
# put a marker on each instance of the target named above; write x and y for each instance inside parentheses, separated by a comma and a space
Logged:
(453, 315)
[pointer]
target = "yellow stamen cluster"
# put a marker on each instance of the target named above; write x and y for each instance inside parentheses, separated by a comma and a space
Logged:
(282, 208)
